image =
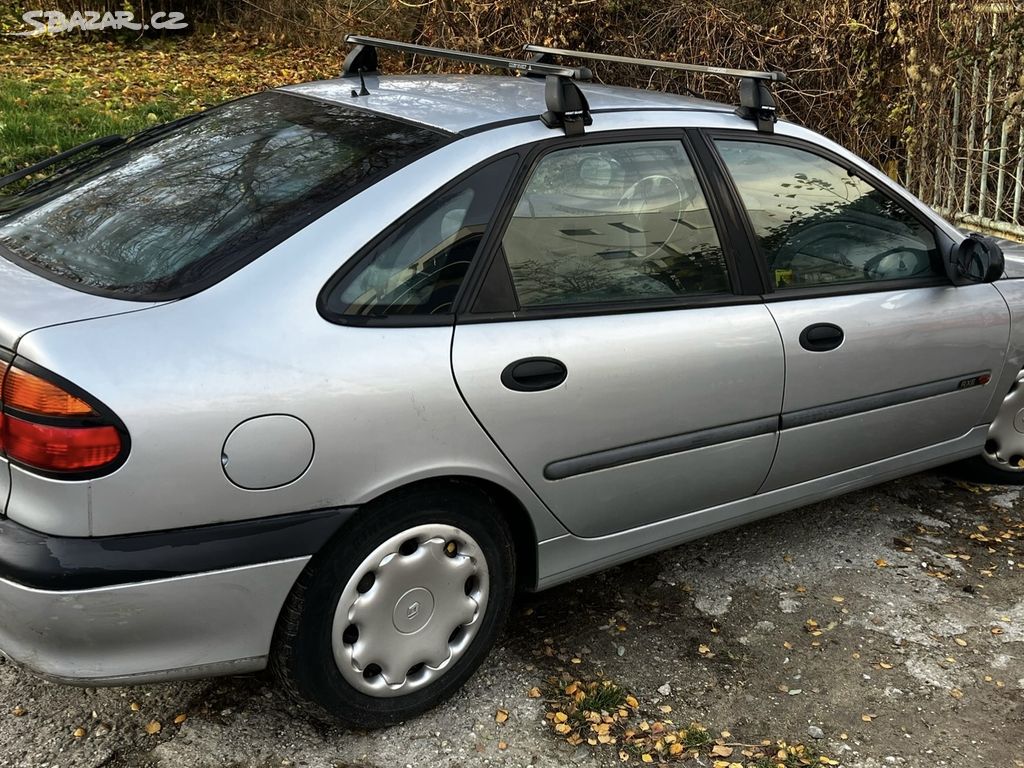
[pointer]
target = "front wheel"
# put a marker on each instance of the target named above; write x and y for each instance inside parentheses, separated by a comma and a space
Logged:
(1002, 460)
(394, 614)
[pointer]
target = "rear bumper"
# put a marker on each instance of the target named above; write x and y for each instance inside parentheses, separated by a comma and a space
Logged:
(156, 606)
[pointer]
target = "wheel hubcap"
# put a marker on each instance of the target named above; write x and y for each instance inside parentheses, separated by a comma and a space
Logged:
(410, 610)
(1005, 445)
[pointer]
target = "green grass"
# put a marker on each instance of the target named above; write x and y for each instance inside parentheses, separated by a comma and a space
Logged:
(36, 122)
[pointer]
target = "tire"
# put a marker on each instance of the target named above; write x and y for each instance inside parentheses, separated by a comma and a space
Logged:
(1002, 459)
(462, 566)
(979, 470)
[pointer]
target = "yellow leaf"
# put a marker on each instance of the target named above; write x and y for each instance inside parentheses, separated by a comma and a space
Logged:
(501, 716)
(79, 733)
(562, 728)
(665, 708)
(571, 688)
(868, 718)
(675, 749)
(838, 599)
(180, 719)
(885, 665)
(720, 764)
(881, 562)
(721, 750)
(632, 702)
(502, 745)
(703, 649)
(534, 693)
(956, 693)
(960, 641)
(134, 706)
(561, 717)
(18, 711)
(646, 757)
(153, 726)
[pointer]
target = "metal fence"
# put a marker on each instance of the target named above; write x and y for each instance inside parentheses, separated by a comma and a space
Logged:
(966, 146)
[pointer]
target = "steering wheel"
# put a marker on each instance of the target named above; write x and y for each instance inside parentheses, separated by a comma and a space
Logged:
(642, 191)
(871, 266)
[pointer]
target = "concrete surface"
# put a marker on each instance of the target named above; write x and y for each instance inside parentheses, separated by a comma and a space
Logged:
(918, 660)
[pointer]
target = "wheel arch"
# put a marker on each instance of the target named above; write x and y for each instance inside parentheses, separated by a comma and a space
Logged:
(520, 523)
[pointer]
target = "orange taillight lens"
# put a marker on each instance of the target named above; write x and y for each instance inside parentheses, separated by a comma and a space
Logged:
(27, 392)
(45, 428)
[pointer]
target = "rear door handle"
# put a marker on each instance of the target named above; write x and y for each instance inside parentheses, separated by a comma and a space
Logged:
(534, 374)
(821, 337)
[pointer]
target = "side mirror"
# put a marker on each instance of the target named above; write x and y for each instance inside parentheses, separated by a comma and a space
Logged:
(976, 259)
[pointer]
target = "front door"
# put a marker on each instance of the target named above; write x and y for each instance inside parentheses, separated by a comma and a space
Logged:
(607, 355)
(883, 354)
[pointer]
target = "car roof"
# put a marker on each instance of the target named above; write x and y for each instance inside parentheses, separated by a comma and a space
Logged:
(459, 103)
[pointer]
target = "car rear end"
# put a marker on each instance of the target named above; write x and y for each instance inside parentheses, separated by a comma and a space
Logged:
(127, 551)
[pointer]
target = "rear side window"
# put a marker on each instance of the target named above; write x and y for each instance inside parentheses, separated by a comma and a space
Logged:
(818, 224)
(613, 223)
(174, 212)
(419, 268)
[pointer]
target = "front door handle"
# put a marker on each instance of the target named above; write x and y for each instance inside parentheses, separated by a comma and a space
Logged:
(821, 337)
(534, 374)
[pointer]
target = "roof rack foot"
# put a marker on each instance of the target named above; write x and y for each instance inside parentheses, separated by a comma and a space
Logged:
(567, 106)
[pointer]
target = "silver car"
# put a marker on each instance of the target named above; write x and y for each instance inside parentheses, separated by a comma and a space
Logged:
(320, 377)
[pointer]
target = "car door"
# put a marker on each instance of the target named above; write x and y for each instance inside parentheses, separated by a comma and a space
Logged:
(883, 354)
(610, 352)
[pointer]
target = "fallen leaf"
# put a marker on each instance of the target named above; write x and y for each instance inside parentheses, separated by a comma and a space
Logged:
(881, 562)
(19, 711)
(868, 718)
(180, 719)
(78, 732)
(960, 641)
(665, 708)
(134, 706)
(838, 599)
(501, 716)
(885, 665)
(561, 717)
(996, 631)
(703, 649)
(956, 693)
(502, 745)
(534, 693)
(562, 728)
(646, 757)
(632, 702)
(153, 726)
(721, 750)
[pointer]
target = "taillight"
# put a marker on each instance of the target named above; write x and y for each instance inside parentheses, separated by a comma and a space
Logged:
(51, 430)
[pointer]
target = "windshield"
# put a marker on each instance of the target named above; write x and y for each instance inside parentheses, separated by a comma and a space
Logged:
(173, 212)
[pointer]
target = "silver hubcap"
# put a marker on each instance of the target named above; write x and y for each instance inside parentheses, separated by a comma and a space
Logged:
(1005, 445)
(410, 610)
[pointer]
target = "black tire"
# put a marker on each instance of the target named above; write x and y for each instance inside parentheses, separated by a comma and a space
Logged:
(301, 655)
(977, 470)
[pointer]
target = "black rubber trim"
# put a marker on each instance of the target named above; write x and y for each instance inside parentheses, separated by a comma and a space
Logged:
(843, 408)
(650, 449)
(664, 446)
(66, 563)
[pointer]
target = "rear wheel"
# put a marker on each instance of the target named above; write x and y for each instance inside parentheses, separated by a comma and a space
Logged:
(400, 609)
(1002, 460)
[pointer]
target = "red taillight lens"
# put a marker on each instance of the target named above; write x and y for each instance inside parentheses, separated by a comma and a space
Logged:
(60, 449)
(47, 428)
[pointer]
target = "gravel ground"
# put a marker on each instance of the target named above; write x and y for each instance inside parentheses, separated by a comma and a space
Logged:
(889, 623)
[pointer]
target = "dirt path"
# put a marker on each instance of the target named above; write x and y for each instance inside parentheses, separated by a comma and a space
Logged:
(890, 619)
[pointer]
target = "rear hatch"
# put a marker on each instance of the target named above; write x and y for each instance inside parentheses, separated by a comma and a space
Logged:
(29, 301)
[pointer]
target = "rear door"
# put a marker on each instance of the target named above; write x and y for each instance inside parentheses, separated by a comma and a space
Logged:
(611, 351)
(883, 354)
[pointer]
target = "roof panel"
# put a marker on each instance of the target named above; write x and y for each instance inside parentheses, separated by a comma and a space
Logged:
(461, 102)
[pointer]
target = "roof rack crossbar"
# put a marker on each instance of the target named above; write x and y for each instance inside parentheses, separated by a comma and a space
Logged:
(496, 62)
(776, 76)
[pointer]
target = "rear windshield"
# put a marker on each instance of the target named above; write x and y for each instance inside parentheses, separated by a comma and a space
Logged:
(172, 212)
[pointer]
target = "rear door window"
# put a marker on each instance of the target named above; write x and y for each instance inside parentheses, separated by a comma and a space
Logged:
(608, 223)
(172, 213)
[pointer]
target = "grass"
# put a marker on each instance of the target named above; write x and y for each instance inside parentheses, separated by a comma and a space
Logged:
(38, 122)
(61, 91)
